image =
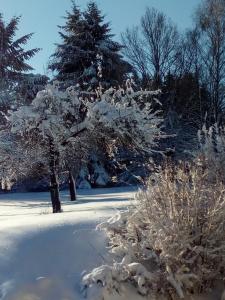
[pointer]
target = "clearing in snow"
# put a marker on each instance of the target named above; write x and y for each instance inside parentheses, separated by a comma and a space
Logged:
(43, 255)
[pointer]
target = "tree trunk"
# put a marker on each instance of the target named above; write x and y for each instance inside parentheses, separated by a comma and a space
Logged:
(72, 187)
(54, 191)
(54, 184)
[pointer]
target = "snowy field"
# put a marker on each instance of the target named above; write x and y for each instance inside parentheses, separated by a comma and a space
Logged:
(43, 256)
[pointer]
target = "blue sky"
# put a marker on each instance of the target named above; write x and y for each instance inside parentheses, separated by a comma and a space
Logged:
(43, 16)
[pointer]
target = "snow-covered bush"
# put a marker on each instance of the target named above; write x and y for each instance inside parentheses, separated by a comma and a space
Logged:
(212, 150)
(12, 159)
(171, 243)
(127, 115)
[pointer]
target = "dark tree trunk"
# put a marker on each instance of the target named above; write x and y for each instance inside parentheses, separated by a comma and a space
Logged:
(54, 184)
(72, 187)
(54, 190)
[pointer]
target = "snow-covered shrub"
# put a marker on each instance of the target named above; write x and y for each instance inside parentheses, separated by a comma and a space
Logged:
(212, 150)
(171, 243)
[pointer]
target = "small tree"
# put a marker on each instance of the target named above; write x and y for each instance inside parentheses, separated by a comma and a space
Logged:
(75, 155)
(48, 122)
(56, 119)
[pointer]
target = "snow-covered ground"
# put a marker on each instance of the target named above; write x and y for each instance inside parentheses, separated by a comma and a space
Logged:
(43, 256)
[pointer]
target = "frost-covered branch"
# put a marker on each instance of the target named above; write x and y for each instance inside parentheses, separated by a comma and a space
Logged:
(58, 119)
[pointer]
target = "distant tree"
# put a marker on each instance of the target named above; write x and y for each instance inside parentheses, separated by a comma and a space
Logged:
(74, 156)
(191, 62)
(28, 87)
(186, 97)
(152, 49)
(87, 44)
(134, 51)
(185, 108)
(210, 26)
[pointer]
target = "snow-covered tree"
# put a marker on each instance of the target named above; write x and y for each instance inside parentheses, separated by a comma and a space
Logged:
(48, 121)
(86, 39)
(57, 119)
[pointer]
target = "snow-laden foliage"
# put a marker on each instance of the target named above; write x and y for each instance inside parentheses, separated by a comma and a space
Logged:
(9, 154)
(6, 150)
(48, 115)
(171, 243)
(212, 150)
(59, 121)
(18, 158)
(62, 116)
(126, 114)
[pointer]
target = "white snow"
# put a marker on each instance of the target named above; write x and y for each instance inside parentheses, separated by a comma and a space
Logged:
(42, 255)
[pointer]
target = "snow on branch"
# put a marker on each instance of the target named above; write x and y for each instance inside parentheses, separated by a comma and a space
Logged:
(170, 244)
(63, 115)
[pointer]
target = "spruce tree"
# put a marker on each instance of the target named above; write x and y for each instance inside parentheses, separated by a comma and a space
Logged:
(87, 53)
(13, 58)
(13, 61)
